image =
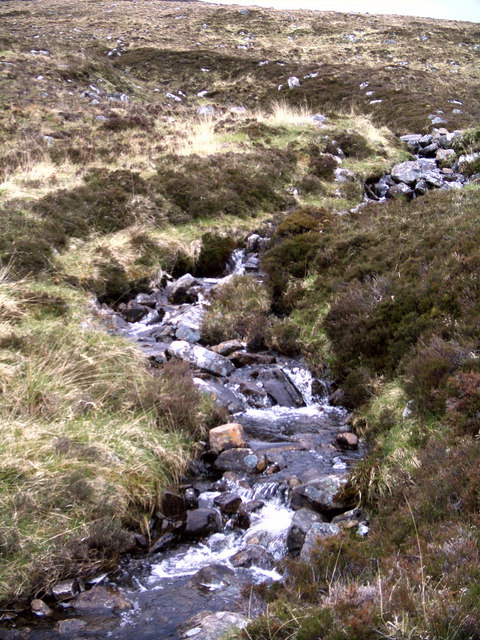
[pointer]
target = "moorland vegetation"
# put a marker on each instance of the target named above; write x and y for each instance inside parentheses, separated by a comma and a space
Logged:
(109, 177)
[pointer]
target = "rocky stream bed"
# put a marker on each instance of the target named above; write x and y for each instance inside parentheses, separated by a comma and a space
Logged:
(266, 483)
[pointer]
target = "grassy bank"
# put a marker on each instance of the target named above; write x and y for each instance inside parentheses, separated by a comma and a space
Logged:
(108, 175)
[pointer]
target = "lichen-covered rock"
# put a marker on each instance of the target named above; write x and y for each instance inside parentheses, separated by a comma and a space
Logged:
(302, 521)
(320, 495)
(227, 436)
(201, 358)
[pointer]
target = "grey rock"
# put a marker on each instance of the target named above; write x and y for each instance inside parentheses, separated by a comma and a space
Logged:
(40, 608)
(407, 172)
(293, 82)
(400, 190)
(228, 347)
(202, 522)
(429, 151)
(201, 358)
(302, 520)
(134, 312)
(344, 175)
(234, 460)
(212, 626)
(320, 495)
(253, 555)
(206, 111)
(66, 589)
(213, 577)
(220, 394)
(412, 141)
(421, 187)
(189, 324)
(425, 140)
(179, 290)
(228, 502)
(281, 389)
(318, 531)
(101, 600)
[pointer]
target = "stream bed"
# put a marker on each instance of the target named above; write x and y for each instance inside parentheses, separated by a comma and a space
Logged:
(236, 508)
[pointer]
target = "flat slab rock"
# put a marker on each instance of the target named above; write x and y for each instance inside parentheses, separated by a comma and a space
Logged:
(201, 358)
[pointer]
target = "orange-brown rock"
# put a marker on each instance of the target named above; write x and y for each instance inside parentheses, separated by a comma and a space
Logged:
(227, 436)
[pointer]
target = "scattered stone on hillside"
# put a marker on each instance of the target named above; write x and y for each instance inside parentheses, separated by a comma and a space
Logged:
(101, 600)
(344, 175)
(207, 111)
(302, 520)
(445, 156)
(347, 440)
(400, 190)
(40, 608)
(317, 532)
(227, 436)
(293, 82)
(407, 172)
(253, 555)
(201, 358)
(201, 522)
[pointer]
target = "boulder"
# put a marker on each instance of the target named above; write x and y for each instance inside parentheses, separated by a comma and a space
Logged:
(189, 324)
(445, 157)
(407, 172)
(201, 358)
(212, 577)
(244, 358)
(40, 608)
(228, 347)
(281, 389)
(173, 505)
(429, 151)
(400, 190)
(302, 521)
(179, 290)
(163, 543)
(253, 555)
(220, 394)
(134, 312)
(101, 599)
(240, 460)
(227, 436)
(65, 590)
(212, 626)
(320, 495)
(202, 522)
(317, 532)
(347, 440)
(228, 503)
